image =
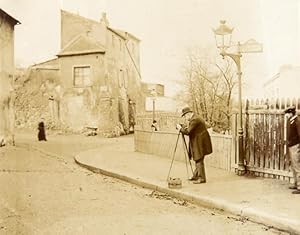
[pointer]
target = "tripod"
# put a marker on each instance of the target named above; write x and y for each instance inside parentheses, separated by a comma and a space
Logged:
(186, 153)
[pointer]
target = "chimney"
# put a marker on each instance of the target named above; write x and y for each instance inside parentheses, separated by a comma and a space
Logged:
(104, 20)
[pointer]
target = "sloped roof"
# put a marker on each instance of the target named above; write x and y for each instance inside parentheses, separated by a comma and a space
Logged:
(82, 45)
(82, 18)
(15, 21)
(123, 34)
(48, 65)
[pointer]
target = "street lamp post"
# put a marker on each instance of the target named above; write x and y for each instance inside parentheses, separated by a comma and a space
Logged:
(153, 96)
(223, 40)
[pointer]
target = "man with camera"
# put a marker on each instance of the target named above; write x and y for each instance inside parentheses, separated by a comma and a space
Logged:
(199, 144)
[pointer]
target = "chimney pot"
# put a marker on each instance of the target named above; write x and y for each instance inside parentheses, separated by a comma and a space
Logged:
(104, 19)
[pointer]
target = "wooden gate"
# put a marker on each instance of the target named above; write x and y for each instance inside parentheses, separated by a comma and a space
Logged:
(265, 137)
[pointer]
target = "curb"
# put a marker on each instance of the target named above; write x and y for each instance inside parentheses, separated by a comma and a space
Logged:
(40, 150)
(251, 214)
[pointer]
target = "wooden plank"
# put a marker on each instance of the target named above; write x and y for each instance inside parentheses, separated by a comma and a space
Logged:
(279, 150)
(285, 159)
(279, 160)
(267, 141)
(265, 111)
(278, 134)
(261, 141)
(278, 173)
(274, 136)
(251, 140)
(256, 141)
(246, 138)
(272, 141)
(229, 153)
(276, 139)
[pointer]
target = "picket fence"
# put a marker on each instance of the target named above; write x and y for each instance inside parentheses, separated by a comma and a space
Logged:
(265, 140)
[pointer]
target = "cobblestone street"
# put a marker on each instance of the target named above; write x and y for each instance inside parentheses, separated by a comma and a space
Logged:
(49, 194)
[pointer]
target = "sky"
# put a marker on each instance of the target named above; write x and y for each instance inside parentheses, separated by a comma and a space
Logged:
(167, 29)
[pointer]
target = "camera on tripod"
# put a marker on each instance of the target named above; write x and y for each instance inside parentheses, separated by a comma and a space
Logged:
(179, 126)
(176, 182)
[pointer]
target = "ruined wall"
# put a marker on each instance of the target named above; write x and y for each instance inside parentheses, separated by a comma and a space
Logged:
(33, 90)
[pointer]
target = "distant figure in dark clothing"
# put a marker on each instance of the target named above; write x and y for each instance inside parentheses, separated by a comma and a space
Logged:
(42, 133)
(154, 126)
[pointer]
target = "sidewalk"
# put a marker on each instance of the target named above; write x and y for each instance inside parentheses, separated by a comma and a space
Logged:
(266, 201)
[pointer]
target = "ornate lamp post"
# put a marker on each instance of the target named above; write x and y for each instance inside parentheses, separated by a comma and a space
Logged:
(153, 97)
(223, 40)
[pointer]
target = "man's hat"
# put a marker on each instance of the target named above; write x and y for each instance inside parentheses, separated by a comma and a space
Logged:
(291, 109)
(185, 111)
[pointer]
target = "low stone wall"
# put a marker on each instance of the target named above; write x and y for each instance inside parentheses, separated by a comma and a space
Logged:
(162, 143)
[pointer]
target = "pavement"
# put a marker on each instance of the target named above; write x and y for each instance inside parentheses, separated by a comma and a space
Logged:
(262, 200)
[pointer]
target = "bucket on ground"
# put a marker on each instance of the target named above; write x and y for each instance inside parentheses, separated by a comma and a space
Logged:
(174, 183)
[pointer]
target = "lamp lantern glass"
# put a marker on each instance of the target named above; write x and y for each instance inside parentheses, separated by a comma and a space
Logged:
(223, 35)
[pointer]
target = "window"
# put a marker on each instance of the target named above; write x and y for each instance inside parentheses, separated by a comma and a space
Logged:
(82, 76)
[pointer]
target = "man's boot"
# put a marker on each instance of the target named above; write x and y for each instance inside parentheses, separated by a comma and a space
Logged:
(201, 173)
(295, 176)
(195, 175)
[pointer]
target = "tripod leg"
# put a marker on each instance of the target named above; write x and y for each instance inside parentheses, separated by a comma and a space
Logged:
(186, 149)
(173, 155)
(186, 164)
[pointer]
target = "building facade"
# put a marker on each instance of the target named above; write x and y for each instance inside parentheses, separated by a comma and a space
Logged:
(7, 68)
(99, 83)
(284, 84)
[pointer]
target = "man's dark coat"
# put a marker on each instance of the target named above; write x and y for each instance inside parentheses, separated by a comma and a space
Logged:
(200, 142)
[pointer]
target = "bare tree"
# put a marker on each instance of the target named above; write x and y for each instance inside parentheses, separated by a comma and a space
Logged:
(208, 87)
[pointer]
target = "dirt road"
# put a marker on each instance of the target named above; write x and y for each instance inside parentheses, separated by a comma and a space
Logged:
(49, 194)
